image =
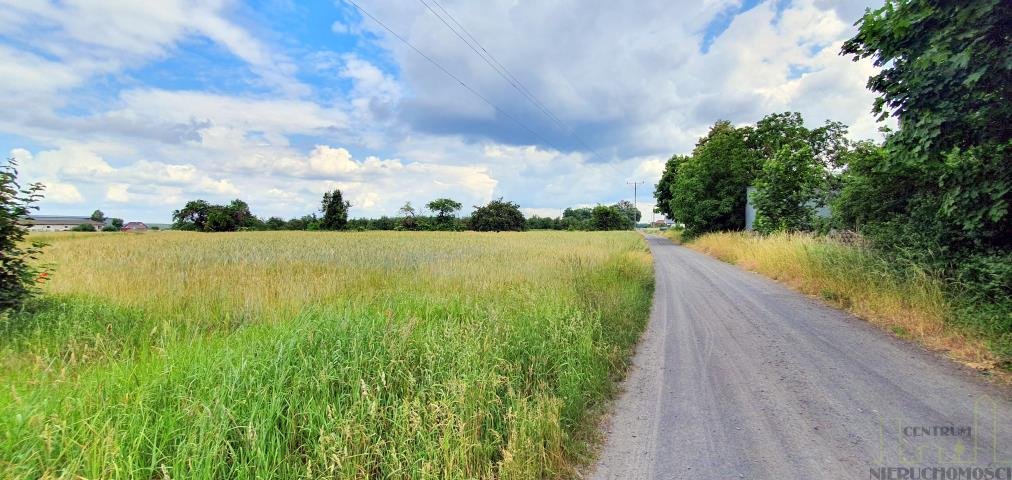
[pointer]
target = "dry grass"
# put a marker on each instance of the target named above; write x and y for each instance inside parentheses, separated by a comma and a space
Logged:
(908, 303)
(315, 354)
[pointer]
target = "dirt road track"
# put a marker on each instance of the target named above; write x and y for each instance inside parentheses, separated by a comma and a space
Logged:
(737, 376)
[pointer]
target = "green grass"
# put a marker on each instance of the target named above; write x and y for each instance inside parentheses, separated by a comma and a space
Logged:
(903, 299)
(308, 355)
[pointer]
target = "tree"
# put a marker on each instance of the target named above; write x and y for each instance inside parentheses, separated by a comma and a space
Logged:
(543, 223)
(97, 216)
(629, 210)
(19, 278)
(663, 189)
(576, 218)
(408, 214)
(117, 223)
(787, 190)
(497, 216)
(306, 222)
(944, 182)
(444, 208)
(275, 223)
(335, 211)
(709, 190)
(202, 216)
(610, 218)
(193, 216)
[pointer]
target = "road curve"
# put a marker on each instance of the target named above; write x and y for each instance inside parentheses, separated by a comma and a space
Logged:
(737, 376)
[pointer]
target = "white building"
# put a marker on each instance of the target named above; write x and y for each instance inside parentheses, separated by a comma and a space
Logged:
(57, 223)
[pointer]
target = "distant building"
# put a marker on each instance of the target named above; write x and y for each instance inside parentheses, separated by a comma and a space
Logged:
(134, 227)
(57, 223)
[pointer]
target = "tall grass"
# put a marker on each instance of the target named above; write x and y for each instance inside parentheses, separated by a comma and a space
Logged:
(901, 298)
(309, 355)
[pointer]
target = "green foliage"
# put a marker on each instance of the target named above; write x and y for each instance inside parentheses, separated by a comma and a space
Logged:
(543, 223)
(117, 223)
(109, 228)
(275, 223)
(84, 227)
(201, 216)
(97, 216)
(709, 189)
(497, 216)
(866, 193)
(939, 193)
(610, 218)
(18, 274)
(664, 188)
(444, 208)
(629, 210)
(787, 190)
(335, 211)
(409, 220)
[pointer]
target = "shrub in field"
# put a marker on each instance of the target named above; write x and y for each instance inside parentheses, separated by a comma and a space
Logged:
(498, 216)
(84, 227)
(18, 276)
(335, 211)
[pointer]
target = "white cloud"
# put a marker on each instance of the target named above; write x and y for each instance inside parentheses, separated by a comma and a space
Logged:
(327, 160)
(389, 127)
(118, 192)
(59, 192)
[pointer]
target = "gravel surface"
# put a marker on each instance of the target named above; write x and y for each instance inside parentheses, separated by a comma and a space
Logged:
(737, 376)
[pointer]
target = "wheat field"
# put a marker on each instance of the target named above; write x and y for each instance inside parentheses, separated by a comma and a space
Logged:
(318, 355)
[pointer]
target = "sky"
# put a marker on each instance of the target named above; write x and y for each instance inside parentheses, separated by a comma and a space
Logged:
(135, 108)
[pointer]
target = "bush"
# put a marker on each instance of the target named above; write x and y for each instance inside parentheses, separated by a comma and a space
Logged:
(108, 228)
(610, 218)
(19, 278)
(84, 227)
(498, 216)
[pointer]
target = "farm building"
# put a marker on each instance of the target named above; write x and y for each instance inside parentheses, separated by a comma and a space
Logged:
(134, 227)
(57, 223)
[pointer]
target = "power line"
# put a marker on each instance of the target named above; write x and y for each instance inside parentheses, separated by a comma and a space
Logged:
(504, 72)
(448, 73)
(490, 59)
(474, 92)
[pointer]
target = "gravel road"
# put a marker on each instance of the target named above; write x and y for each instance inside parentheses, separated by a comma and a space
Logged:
(737, 376)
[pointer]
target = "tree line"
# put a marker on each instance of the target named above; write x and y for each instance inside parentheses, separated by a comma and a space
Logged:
(496, 215)
(934, 193)
(620, 216)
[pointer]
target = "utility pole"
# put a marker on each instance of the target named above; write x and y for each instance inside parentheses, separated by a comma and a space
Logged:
(635, 185)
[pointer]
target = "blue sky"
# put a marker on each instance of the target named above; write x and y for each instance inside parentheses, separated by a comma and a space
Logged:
(135, 108)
